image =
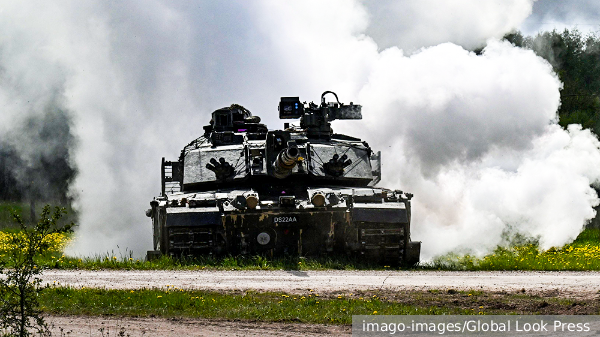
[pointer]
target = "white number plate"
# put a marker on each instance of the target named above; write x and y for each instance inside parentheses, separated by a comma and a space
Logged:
(280, 219)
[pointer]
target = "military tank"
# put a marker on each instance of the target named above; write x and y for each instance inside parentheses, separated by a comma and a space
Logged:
(242, 189)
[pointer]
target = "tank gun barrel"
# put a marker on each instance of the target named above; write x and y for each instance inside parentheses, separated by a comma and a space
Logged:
(286, 161)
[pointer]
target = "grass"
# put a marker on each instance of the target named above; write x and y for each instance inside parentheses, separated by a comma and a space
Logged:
(270, 307)
(308, 307)
(111, 261)
(582, 254)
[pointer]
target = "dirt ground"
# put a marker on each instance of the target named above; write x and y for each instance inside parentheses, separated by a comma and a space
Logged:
(163, 327)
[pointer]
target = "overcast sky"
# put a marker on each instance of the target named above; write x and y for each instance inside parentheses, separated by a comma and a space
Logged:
(560, 14)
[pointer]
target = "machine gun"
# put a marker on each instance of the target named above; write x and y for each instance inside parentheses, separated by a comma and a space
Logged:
(315, 118)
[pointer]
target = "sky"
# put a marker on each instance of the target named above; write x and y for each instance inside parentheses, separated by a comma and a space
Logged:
(583, 15)
(474, 137)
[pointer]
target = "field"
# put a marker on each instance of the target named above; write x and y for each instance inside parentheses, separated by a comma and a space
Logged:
(308, 307)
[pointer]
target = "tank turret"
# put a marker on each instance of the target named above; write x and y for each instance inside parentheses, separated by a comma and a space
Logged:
(243, 189)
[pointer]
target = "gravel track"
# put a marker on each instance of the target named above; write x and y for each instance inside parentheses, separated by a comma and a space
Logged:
(169, 327)
(564, 283)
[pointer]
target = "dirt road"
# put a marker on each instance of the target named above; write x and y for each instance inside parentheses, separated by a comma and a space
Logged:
(165, 327)
(564, 284)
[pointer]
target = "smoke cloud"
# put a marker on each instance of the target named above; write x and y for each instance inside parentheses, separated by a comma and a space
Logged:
(474, 137)
(411, 25)
(35, 136)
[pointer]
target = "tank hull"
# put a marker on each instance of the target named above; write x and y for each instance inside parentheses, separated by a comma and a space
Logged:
(377, 230)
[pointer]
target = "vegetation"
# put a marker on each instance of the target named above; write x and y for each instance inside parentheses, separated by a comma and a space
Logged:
(307, 307)
(582, 254)
(173, 302)
(574, 58)
(20, 286)
(111, 261)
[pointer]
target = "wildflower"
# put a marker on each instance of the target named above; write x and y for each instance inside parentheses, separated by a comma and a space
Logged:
(375, 312)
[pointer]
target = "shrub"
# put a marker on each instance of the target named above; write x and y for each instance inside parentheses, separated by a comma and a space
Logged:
(20, 286)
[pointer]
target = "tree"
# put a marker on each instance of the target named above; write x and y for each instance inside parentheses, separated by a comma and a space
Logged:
(19, 289)
(576, 60)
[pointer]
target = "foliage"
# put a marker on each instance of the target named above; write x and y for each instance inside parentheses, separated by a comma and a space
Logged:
(112, 261)
(20, 286)
(582, 254)
(576, 60)
(309, 307)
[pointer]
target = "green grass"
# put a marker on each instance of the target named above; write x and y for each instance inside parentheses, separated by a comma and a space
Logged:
(280, 307)
(112, 261)
(307, 307)
(582, 254)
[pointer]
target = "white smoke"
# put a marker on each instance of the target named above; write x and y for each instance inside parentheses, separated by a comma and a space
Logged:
(474, 137)
(410, 25)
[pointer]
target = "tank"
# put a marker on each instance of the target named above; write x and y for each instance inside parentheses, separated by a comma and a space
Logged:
(242, 189)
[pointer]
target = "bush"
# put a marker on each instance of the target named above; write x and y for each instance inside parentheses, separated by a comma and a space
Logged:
(20, 286)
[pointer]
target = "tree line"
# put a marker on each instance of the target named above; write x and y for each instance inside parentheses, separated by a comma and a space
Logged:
(575, 57)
